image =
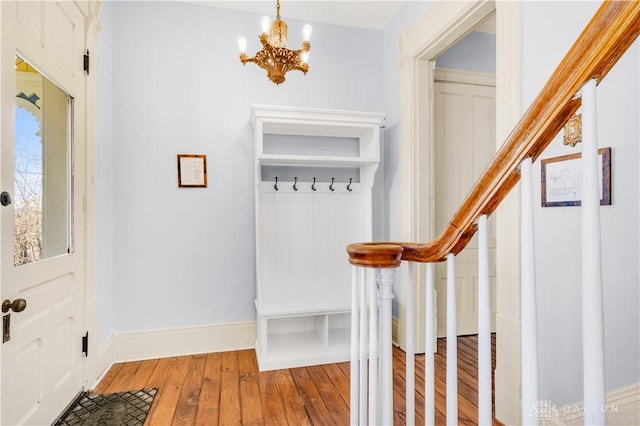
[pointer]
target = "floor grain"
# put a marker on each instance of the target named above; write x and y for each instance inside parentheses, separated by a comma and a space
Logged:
(227, 389)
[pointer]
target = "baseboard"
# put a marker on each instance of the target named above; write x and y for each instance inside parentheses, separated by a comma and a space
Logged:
(395, 330)
(135, 346)
(623, 408)
(106, 357)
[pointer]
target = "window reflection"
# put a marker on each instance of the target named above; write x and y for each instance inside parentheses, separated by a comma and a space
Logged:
(42, 190)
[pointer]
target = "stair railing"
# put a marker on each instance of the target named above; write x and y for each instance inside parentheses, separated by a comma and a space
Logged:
(604, 40)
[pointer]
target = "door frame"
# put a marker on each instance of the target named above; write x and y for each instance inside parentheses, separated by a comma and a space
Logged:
(91, 12)
(443, 25)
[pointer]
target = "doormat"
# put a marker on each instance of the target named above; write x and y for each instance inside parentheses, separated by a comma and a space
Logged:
(111, 409)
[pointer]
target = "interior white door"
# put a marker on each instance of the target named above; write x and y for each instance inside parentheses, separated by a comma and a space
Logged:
(42, 228)
(464, 146)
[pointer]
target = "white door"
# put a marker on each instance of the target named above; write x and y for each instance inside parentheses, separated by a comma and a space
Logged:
(42, 234)
(464, 146)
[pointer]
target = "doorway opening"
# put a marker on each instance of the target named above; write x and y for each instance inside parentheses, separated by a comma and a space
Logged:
(443, 25)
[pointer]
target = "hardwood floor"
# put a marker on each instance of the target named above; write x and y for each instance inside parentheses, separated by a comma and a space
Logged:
(226, 388)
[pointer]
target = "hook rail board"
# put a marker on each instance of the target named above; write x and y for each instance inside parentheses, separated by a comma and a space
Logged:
(313, 197)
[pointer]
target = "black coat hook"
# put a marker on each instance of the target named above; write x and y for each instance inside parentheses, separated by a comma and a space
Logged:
(295, 183)
(349, 186)
(313, 185)
(331, 186)
(276, 185)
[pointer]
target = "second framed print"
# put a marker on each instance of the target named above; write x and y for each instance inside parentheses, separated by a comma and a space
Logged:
(562, 179)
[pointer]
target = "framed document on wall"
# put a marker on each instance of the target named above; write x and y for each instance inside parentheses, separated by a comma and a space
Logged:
(562, 179)
(192, 171)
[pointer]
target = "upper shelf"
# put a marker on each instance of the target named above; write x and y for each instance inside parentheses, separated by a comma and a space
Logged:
(283, 160)
(360, 132)
(314, 122)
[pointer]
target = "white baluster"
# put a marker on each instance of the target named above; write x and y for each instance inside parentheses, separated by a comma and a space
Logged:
(484, 326)
(452, 344)
(385, 282)
(373, 356)
(367, 287)
(410, 383)
(528, 322)
(429, 359)
(355, 339)
(592, 309)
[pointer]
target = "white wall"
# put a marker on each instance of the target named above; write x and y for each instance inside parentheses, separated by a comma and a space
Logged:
(185, 257)
(558, 228)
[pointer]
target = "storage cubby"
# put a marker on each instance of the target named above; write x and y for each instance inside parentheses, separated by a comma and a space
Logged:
(314, 173)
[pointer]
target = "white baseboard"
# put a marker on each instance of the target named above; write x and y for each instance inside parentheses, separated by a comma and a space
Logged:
(106, 358)
(135, 346)
(395, 331)
(623, 408)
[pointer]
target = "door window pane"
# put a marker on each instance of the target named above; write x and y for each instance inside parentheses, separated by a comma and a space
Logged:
(42, 193)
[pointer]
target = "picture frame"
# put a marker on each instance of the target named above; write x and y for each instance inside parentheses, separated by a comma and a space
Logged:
(561, 179)
(192, 171)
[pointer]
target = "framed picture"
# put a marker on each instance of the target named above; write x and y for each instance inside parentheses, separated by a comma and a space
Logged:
(192, 171)
(562, 179)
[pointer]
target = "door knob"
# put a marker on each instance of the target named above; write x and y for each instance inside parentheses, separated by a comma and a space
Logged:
(17, 305)
(5, 198)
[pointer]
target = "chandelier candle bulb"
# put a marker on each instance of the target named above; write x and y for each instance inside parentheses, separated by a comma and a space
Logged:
(265, 24)
(274, 57)
(242, 45)
(306, 32)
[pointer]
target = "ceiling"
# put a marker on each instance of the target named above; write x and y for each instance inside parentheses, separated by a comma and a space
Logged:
(354, 13)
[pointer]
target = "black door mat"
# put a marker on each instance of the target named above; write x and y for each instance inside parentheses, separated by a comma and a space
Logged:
(110, 409)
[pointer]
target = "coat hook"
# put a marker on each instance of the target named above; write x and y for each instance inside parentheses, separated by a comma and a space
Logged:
(331, 186)
(295, 183)
(313, 185)
(276, 185)
(349, 186)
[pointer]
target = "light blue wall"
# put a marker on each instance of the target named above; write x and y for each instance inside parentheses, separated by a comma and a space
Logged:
(549, 30)
(106, 197)
(475, 52)
(185, 257)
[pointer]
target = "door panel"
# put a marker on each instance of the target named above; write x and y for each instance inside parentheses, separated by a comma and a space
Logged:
(29, 16)
(42, 364)
(464, 146)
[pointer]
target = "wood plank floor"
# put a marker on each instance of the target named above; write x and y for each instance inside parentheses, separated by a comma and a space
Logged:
(226, 388)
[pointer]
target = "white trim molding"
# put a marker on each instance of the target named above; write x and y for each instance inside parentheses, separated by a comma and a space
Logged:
(106, 357)
(450, 75)
(150, 344)
(623, 408)
(395, 331)
(508, 112)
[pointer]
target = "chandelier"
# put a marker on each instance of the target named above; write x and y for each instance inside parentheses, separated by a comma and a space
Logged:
(275, 57)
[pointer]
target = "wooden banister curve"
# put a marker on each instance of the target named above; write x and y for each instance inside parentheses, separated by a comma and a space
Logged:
(604, 40)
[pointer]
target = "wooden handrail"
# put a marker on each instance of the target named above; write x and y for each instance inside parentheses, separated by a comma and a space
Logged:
(608, 35)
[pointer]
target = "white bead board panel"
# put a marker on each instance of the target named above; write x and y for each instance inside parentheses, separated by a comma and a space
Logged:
(302, 244)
